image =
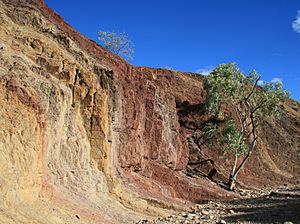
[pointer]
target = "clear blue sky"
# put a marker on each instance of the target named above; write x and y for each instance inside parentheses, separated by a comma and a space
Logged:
(197, 35)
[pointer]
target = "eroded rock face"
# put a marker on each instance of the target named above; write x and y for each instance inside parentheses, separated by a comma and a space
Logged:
(87, 138)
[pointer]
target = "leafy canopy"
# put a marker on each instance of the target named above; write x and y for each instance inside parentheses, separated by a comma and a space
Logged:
(118, 43)
(228, 85)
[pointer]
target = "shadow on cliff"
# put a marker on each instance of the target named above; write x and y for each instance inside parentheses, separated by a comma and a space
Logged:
(193, 118)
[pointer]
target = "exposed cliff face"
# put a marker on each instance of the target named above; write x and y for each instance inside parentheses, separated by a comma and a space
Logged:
(87, 138)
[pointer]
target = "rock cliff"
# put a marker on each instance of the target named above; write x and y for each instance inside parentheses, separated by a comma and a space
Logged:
(88, 138)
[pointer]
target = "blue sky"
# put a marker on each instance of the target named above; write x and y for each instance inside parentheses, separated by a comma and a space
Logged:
(197, 35)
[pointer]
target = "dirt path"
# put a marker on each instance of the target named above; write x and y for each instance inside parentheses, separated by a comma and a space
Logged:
(280, 205)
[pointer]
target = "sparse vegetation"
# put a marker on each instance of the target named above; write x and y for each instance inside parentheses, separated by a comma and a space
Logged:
(170, 69)
(228, 87)
(118, 43)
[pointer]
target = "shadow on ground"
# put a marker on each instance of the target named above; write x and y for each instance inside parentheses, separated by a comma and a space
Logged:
(274, 208)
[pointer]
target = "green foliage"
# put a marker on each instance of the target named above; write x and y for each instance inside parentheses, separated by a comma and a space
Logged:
(209, 132)
(228, 87)
(118, 43)
(269, 99)
(233, 141)
(224, 82)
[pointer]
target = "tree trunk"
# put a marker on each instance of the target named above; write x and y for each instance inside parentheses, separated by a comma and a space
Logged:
(232, 176)
(236, 169)
(231, 182)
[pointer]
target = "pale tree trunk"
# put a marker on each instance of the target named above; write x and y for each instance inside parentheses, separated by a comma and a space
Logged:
(235, 170)
(232, 176)
(231, 182)
(243, 117)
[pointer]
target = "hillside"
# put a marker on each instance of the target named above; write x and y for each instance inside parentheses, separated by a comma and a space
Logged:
(88, 138)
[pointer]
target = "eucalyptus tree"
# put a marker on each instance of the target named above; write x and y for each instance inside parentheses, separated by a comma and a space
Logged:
(227, 87)
(118, 43)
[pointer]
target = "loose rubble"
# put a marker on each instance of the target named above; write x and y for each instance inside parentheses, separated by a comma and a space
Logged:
(280, 205)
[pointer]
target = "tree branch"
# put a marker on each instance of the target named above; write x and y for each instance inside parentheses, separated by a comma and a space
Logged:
(253, 88)
(253, 143)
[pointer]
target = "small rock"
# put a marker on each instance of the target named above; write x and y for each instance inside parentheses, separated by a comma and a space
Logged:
(204, 212)
(287, 223)
(231, 211)
(183, 214)
(222, 221)
(191, 216)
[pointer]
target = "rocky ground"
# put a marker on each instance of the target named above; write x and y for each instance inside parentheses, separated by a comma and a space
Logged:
(281, 205)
